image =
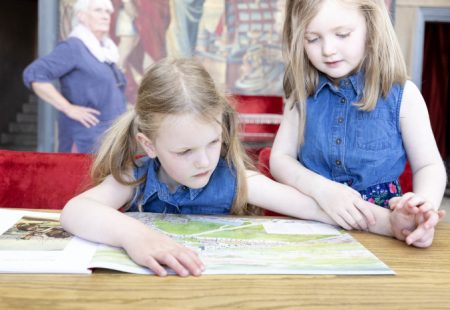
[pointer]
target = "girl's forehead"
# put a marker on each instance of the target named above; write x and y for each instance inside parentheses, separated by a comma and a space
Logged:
(191, 120)
(335, 14)
(189, 129)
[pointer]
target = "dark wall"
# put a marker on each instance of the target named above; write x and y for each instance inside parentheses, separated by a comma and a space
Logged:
(18, 46)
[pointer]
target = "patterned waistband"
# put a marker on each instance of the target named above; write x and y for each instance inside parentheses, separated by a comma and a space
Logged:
(381, 193)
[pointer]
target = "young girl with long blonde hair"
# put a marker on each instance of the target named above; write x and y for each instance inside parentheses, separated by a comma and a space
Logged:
(352, 118)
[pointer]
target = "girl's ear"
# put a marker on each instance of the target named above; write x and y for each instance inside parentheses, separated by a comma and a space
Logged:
(146, 144)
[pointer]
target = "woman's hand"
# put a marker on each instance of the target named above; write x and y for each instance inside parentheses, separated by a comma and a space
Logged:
(84, 115)
(48, 92)
(414, 219)
(345, 206)
(152, 249)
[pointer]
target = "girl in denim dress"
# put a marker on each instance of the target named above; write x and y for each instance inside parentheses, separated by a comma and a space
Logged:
(352, 119)
(193, 163)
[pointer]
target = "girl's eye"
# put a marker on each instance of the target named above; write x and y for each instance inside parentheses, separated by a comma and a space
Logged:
(215, 142)
(185, 152)
(343, 35)
(311, 40)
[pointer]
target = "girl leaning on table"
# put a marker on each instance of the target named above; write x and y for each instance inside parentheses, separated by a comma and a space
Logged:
(353, 118)
(193, 164)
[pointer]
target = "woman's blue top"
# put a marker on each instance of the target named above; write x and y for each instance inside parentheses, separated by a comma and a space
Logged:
(84, 81)
(347, 145)
(154, 196)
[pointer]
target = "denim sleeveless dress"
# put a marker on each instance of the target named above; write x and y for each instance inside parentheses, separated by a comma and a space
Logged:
(154, 196)
(361, 149)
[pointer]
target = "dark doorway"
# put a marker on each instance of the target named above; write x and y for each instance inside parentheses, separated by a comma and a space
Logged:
(436, 83)
(18, 47)
(435, 80)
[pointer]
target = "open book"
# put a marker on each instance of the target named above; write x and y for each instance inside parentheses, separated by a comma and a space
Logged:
(34, 242)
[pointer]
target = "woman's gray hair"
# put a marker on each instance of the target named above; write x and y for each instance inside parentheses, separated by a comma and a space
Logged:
(83, 5)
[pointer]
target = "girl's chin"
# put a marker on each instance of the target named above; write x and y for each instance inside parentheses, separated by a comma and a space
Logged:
(199, 182)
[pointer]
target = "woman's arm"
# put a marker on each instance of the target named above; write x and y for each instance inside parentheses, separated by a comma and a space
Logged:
(48, 92)
(94, 215)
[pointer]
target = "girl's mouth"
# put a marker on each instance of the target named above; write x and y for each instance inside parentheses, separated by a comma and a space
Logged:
(332, 64)
(202, 174)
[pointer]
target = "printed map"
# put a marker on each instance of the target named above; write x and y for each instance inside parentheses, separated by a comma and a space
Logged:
(240, 245)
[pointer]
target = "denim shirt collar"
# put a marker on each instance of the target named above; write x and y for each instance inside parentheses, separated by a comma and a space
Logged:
(355, 81)
(154, 185)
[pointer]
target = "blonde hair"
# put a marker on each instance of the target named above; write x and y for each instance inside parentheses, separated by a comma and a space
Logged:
(172, 87)
(383, 62)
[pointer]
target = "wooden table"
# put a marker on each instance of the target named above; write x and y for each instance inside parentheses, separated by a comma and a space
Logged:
(422, 282)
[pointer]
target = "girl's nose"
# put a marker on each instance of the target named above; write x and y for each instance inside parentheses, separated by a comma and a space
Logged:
(328, 47)
(202, 160)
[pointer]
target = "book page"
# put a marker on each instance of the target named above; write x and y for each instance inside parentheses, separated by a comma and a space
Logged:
(34, 242)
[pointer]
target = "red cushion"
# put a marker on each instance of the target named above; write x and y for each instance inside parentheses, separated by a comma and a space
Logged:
(41, 180)
(263, 162)
(264, 168)
(259, 119)
(406, 179)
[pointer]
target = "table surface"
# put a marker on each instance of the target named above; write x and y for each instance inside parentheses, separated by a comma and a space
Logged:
(422, 282)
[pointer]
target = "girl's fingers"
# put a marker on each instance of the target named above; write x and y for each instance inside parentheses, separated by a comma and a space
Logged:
(366, 210)
(423, 243)
(431, 219)
(425, 207)
(191, 262)
(341, 222)
(351, 217)
(153, 265)
(403, 200)
(406, 232)
(415, 235)
(360, 221)
(170, 261)
(393, 202)
(416, 201)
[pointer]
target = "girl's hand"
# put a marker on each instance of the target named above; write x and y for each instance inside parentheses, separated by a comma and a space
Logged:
(414, 220)
(153, 250)
(345, 206)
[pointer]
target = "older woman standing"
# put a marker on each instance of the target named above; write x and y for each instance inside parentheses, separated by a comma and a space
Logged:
(92, 86)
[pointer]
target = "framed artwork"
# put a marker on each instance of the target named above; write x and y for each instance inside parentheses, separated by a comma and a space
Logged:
(238, 41)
